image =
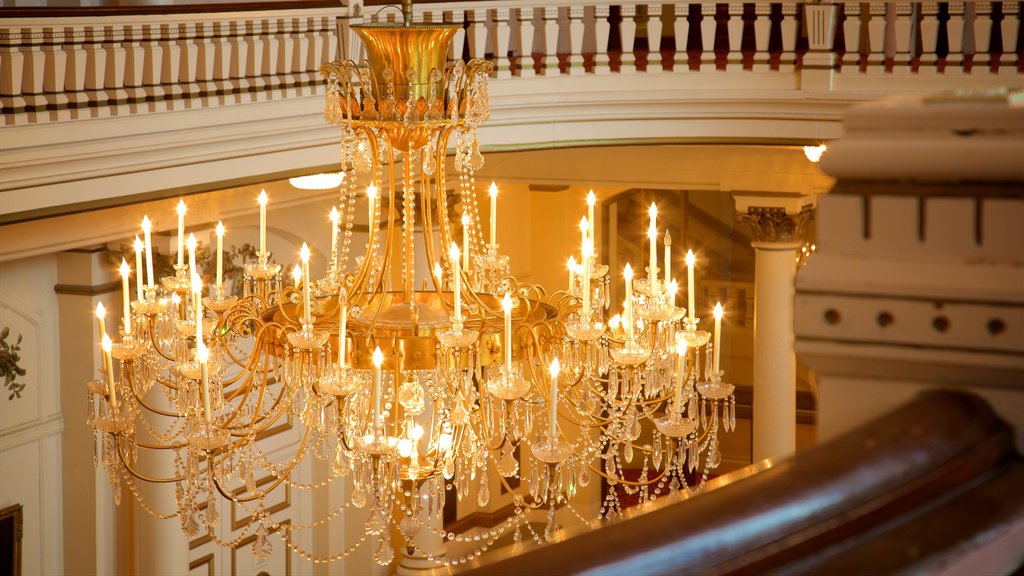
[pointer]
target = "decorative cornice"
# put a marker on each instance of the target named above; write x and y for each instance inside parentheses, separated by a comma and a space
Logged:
(775, 225)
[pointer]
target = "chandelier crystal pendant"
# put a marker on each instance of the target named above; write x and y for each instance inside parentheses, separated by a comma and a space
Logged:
(404, 390)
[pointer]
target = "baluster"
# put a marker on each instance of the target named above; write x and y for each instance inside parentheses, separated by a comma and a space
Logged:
(671, 15)
(576, 32)
(527, 63)
(502, 33)
(32, 71)
(204, 60)
(222, 61)
(113, 79)
(839, 46)
(476, 34)
(995, 41)
(12, 66)
(152, 65)
(55, 60)
(982, 28)
(654, 27)
(549, 53)
(915, 45)
(134, 65)
(627, 29)
(303, 80)
(1018, 35)
(748, 35)
(95, 70)
(889, 47)
(271, 58)
(239, 59)
(694, 36)
(285, 78)
(941, 36)
(515, 42)
(707, 32)
(955, 32)
(967, 43)
(601, 30)
(929, 27)
(768, 29)
(721, 36)
(187, 63)
(875, 42)
(169, 69)
(316, 53)
(253, 62)
(851, 31)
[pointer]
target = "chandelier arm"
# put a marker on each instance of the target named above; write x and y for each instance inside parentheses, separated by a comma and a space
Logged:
(277, 479)
(154, 341)
(152, 479)
(381, 283)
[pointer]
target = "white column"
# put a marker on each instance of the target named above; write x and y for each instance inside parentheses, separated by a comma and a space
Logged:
(774, 355)
(778, 233)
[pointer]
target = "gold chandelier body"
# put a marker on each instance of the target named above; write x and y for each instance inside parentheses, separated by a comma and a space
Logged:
(408, 390)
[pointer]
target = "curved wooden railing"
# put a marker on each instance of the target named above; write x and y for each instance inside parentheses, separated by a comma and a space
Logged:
(917, 489)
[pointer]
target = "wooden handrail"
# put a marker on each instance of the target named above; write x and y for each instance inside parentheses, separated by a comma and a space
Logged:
(799, 512)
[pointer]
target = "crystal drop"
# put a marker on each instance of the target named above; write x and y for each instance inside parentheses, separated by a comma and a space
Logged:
(212, 517)
(483, 495)
(359, 496)
(703, 415)
(117, 494)
(476, 159)
(374, 524)
(384, 554)
(732, 415)
(409, 527)
(517, 536)
(714, 456)
(191, 525)
(627, 452)
(549, 530)
(584, 477)
(262, 548)
(656, 455)
(674, 485)
(340, 465)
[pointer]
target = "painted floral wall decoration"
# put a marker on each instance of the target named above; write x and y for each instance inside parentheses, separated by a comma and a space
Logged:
(9, 368)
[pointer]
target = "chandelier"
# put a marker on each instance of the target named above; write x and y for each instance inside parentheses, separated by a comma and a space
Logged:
(408, 391)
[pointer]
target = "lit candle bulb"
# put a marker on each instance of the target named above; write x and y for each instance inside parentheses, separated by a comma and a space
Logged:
(494, 214)
(203, 355)
(554, 370)
(262, 199)
(690, 259)
(220, 257)
(147, 229)
(673, 289)
(591, 200)
(296, 275)
(465, 241)
(453, 255)
(137, 246)
(628, 319)
(718, 336)
(378, 360)
(680, 372)
(107, 345)
(668, 257)
(506, 305)
(572, 272)
(304, 255)
(192, 244)
(335, 219)
(125, 292)
(438, 276)
(181, 233)
(652, 234)
(587, 263)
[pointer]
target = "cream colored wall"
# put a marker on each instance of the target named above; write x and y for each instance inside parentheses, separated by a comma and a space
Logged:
(30, 427)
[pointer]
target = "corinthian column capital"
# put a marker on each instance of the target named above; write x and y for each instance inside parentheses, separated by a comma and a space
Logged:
(780, 224)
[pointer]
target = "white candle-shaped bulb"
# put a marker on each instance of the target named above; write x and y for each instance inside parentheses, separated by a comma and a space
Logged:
(465, 241)
(262, 199)
(588, 263)
(126, 295)
(506, 305)
(181, 233)
(554, 369)
(591, 200)
(203, 355)
(335, 217)
(453, 255)
(371, 197)
(342, 328)
(107, 345)
(378, 361)
(614, 322)
(296, 275)
(137, 246)
(652, 234)
(668, 257)
(197, 303)
(101, 315)
(690, 260)
(438, 276)
(718, 336)
(147, 238)
(673, 289)
(680, 372)
(628, 273)
(493, 192)
(584, 234)
(220, 256)
(572, 271)
(192, 244)
(304, 255)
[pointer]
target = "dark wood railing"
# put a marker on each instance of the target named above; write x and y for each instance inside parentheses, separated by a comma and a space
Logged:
(917, 489)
